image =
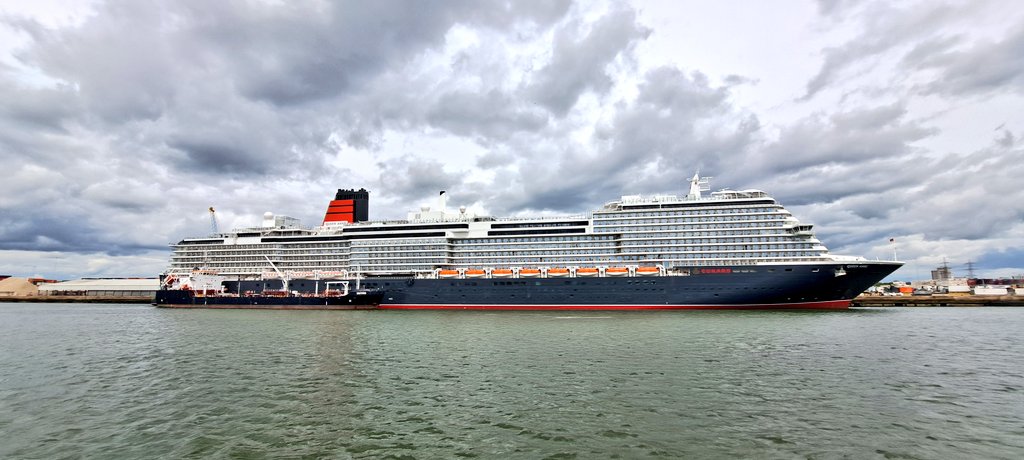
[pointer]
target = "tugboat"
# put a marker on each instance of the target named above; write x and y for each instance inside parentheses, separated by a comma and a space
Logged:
(204, 288)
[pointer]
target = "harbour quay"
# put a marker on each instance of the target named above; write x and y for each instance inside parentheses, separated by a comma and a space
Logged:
(86, 290)
(938, 301)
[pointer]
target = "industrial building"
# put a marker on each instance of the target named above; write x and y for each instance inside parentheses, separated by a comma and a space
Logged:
(105, 287)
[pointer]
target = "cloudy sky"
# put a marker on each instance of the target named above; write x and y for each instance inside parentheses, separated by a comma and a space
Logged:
(122, 121)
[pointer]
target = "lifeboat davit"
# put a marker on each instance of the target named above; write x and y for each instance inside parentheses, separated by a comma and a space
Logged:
(448, 273)
(475, 273)
(586, 271)
(647, 271)
(501, 273)
(558, 272)
(529, 272)
(617, 271)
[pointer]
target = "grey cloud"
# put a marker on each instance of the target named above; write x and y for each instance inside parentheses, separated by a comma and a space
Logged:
(831, 183)
(415, 178)
(134, 60)
(1007, 140)
(39, 124)
(81, 205)
(948, 197)
(165, 108)
(227, 136)
(983, 68)
(218, 157)
(855, 204)
(687, 95)
(495, 159)
(218, 96)
(843, 138)
(478, 100)
(487, 115)
(48, 110)
(884, 29)
(60, 228)
(1006, 258)
(579, 63)
(283, 57)
(115, 194)
(925, 51)
(678, 122)
(120, 69)
(830, 7)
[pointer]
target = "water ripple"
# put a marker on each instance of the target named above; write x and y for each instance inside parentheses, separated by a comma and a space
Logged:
(102, 381)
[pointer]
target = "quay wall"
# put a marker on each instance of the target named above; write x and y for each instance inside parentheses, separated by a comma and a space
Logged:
(938, 301)
(78, 299)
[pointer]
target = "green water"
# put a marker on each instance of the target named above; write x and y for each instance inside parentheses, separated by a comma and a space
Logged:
(128, 381)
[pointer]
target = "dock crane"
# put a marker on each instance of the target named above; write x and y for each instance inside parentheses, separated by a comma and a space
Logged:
(284, 279)
(214, 228)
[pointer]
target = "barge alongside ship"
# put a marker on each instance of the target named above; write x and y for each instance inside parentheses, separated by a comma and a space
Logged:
(726, 249)
(206, 289)
(190, 299)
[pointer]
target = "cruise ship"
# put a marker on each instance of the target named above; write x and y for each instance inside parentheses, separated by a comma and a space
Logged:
(702, 250)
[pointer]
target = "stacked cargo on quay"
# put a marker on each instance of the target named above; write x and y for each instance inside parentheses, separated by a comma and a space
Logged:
(725, 249)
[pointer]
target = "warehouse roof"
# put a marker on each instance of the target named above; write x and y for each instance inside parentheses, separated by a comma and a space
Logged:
(104, 284)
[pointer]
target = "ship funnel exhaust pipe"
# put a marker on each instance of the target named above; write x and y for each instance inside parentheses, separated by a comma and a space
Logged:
(442, 202)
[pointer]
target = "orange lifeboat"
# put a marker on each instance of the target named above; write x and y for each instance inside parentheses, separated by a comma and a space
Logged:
(529, 272)
(588, 271)
(617, 271)
(473, 273)
(501, 273)
(558, 272)
(448, 273)
(647, 271)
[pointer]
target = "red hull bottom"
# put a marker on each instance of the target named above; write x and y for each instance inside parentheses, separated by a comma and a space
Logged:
(828, 305)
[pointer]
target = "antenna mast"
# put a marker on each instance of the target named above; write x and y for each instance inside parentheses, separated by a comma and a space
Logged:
(698, 184)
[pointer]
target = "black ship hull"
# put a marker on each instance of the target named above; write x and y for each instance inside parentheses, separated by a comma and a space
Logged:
(815, 286)
(736, 287)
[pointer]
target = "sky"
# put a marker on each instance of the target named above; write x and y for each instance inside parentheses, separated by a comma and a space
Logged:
(123, 121)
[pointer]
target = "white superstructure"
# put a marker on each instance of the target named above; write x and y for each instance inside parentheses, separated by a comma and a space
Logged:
(727, 227)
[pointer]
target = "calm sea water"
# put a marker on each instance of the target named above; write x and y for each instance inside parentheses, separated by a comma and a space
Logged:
(111, 381)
